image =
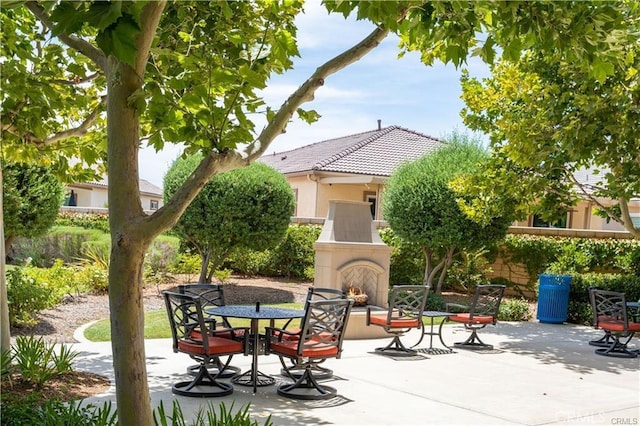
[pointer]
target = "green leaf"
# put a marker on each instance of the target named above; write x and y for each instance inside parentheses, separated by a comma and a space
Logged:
(123, 39)
(67, 17)
(600, 70)
(103, 14)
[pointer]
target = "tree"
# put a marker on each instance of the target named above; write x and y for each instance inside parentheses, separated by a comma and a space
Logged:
(188, 72)
(548, 121)
(421, 207)
(249, 208)
(32, 199)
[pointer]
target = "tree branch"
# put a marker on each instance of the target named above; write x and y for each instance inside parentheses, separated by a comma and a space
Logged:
(81, 130)
(150, 18)
(306, 91)
(77, 43)
(167, 215)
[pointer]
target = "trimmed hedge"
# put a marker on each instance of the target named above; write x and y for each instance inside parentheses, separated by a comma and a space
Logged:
(580, 311)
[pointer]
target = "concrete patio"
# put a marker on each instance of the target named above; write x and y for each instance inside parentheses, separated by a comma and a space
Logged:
(537, 374)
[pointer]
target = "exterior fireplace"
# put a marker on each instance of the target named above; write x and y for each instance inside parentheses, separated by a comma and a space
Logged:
(350, 254)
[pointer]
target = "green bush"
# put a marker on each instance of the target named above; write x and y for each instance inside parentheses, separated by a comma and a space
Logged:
(514, 310)
(538, 253)
(580, 311)
(293, 257)
(435, 302)
(84, 220)
(161, 254)
(25, 298)
(38, 361)
(407, 259)
(66, 243)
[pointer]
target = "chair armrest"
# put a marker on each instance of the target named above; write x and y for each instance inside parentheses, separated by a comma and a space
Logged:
(456, 307)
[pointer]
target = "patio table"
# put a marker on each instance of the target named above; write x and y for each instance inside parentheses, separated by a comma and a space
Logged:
(432, 315)
(254, 377)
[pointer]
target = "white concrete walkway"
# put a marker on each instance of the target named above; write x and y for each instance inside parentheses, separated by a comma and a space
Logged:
(537, 374)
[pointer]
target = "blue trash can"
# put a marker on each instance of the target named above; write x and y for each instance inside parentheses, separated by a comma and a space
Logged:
(553, 298)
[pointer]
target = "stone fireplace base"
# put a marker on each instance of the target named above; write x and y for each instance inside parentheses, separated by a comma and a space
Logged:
(357, 326)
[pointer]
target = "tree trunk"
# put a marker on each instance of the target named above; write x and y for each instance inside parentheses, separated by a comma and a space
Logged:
(129, 241)
(5, 330)
(206, 257)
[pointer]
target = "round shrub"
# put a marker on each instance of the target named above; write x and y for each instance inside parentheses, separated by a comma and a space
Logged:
(514, 310)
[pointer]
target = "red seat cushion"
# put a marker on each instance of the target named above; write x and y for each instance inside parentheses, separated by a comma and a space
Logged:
(395, 322)
(217, 345)
(318, 350)
(618, 325)
(477, 319)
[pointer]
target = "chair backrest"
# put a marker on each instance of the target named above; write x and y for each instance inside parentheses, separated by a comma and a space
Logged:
(486, 301)
(610, 307)
(185, 317)
(407, 301)
(324, 325)
(322, 293)
(211, 295)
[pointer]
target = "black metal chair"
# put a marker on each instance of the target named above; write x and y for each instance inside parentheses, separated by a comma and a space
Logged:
(313, 293)
(482, 311)
(610, 315)
(192, 336)
(321, 338)
(607, 339)
(406, 304)
(210, 295)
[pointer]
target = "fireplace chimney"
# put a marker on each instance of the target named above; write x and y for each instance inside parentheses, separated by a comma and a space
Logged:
(379, 124)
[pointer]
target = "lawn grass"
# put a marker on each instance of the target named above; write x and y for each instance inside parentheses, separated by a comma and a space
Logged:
(156, 324)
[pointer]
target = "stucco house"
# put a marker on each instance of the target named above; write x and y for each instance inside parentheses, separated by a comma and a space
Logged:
(356, 168)
(352, 168)
(94, 195)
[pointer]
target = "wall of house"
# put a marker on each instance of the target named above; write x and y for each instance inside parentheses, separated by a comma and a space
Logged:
(342, 192)
(583, 217)
(97, 197)
(305, 195)
(91, 197)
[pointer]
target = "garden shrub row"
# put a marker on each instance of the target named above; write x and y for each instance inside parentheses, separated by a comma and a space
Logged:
(580, 311)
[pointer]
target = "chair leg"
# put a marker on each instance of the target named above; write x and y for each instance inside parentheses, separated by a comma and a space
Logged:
(306, 387)
(397, 348)
(473, 342)
(216, 368)
(203, 379)
(618, 348)
(297, 370)
(604, 341)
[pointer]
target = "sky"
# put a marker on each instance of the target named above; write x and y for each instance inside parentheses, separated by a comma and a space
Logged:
(402, 92)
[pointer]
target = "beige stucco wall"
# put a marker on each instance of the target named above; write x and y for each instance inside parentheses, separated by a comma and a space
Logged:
(345, 192)
(306, 195)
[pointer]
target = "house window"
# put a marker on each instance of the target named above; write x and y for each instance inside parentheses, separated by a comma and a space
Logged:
(71, 199)
(153, 205)
(538, 222)
(635, 219)
(371, 197)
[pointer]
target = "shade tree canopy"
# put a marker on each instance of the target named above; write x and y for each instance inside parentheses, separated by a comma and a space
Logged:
(551, 124)
(421, 207)
(248, 208)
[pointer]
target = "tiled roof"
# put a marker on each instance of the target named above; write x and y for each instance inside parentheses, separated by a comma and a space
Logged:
(375, 153)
